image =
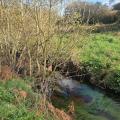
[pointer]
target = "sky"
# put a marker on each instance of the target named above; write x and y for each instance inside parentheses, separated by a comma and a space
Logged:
(94, 1)
(103, 1)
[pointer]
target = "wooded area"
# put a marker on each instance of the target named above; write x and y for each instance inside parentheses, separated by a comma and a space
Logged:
(39, 48)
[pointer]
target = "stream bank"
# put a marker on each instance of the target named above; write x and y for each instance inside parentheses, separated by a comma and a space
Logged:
(89, 103)
(81, 72)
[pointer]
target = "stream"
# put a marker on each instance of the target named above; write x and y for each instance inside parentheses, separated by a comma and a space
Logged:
(91, 103)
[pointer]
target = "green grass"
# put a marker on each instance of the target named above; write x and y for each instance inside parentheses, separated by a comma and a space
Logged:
(13, 106)
(101, 55)
(83, 114)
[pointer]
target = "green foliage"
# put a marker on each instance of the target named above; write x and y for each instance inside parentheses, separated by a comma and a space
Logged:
(82, 113)
(101, 55)
(13, 106)
(12, 112)
(6, 95)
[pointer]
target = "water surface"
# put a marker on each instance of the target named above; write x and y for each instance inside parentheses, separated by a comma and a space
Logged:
(96, 102)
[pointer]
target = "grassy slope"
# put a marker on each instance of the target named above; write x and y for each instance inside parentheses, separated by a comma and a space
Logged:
(14, 106)
(101, 55)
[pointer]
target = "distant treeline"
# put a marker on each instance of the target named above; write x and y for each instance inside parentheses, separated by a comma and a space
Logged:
(89, 13)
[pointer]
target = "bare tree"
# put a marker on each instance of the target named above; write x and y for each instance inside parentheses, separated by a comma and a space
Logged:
(90, 13)
(30, 43)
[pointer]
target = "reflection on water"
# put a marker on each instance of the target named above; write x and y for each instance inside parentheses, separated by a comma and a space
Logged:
(98, 102)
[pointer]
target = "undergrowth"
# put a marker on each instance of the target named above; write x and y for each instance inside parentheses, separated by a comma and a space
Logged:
(19, 102)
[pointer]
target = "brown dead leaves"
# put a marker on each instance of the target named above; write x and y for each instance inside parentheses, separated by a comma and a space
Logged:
(59, 114)
(21, 93)
(6, 73)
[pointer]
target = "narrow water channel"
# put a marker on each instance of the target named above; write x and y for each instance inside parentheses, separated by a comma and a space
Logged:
(95, 105)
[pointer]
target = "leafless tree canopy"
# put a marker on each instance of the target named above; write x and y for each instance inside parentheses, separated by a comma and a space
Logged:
(90, 13)
(29, 42)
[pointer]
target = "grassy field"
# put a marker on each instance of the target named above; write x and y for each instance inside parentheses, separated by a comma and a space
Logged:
(101, 55)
